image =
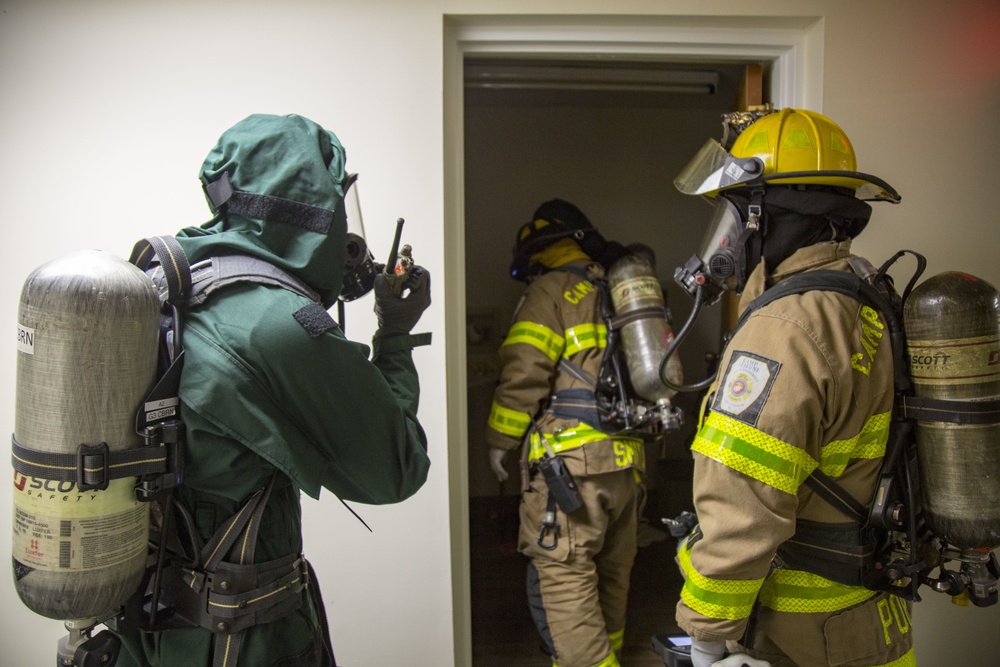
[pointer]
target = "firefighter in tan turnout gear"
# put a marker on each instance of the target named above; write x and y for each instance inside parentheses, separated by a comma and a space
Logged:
(581, 555)
(805, 384)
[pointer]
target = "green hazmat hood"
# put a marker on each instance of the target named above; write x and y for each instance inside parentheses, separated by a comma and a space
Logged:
(276, 187)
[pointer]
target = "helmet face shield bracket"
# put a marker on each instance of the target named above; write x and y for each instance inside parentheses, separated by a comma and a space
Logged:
(714, 168)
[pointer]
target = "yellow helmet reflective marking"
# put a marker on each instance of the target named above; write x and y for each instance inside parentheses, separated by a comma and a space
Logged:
(758, 142)
(795, 140)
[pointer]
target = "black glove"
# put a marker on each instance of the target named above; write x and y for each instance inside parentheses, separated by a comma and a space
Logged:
(398, 314)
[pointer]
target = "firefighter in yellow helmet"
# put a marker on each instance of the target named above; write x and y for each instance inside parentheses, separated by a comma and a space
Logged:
(805, 384)
(582, 493)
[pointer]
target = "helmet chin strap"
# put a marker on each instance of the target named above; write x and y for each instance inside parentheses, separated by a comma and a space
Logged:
(751, 239)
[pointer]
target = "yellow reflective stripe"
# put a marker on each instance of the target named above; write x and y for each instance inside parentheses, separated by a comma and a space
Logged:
(869, 444)
(731, 599)
(584, 337)
(507, 421)
(610, 661)
(803, 592)
(540, 337)
(908, 659)
(753, 453)
(631, 449)
(617, 640)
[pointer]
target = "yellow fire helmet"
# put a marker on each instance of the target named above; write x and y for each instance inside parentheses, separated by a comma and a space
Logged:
(787, 146)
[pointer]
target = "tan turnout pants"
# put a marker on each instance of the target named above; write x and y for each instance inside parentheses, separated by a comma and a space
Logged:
(578, 590)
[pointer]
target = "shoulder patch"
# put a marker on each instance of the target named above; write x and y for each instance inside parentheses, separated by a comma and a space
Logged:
(746, 386)
(314, 319)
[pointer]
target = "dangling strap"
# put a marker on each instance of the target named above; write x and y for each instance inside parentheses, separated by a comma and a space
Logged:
(246, 522)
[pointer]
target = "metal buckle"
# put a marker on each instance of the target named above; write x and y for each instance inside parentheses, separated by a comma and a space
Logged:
(104, 455)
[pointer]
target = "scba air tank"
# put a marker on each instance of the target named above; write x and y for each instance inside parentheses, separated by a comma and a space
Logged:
(87, 350)
(638, 302)
(952, 323)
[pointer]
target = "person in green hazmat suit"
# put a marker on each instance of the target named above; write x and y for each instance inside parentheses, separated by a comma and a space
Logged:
(276, 400)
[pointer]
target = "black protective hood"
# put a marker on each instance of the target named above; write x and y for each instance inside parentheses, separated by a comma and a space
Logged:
(795, 217)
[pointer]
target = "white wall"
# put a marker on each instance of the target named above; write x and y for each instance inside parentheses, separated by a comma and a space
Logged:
(108, 108)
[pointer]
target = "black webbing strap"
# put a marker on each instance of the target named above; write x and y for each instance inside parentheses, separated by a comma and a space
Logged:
(650, 312)
(173, 260)
(400, 343)
(967, 411)
(850, 284)
(827, 488)
(227, 540)
(223, 196)
(229, 269)
(577, 373)
(91, 467)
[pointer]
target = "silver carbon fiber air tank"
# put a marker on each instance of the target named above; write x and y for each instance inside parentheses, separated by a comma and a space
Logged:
(87, 346)
(952, 323)
(637, 296)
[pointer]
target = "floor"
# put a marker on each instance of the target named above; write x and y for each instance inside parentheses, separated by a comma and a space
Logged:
(502, 631)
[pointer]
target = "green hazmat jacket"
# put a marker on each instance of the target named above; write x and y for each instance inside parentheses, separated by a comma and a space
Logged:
(261, 396)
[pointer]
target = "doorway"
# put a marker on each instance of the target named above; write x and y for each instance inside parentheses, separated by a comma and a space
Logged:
(601, 119)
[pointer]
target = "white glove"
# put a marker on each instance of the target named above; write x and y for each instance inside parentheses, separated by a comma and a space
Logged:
(706, 654)
(741, 660)
(496, 462)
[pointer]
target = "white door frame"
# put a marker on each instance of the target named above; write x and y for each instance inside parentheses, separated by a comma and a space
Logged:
(792, 45)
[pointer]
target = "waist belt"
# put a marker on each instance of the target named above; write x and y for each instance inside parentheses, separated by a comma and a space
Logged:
(578, 436)
(228, 596)
(577, 405)
(844, 553)
(234, 597)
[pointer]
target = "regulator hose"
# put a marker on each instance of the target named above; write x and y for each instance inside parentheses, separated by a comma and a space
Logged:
(699, 301)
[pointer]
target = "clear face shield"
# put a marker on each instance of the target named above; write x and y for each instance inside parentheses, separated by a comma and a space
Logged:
(715, 267)
(359, 268)
(713, 169)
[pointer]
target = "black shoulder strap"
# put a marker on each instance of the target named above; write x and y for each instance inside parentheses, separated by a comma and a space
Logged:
(179, 283)
(226, 270)
(171, 256)
(849, 284)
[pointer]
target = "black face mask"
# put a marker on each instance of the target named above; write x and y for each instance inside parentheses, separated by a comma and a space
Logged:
(360, 267)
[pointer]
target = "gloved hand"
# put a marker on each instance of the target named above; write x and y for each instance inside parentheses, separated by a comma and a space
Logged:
(398, 314)
(496, 462)
(741, 660)
(706, 654)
